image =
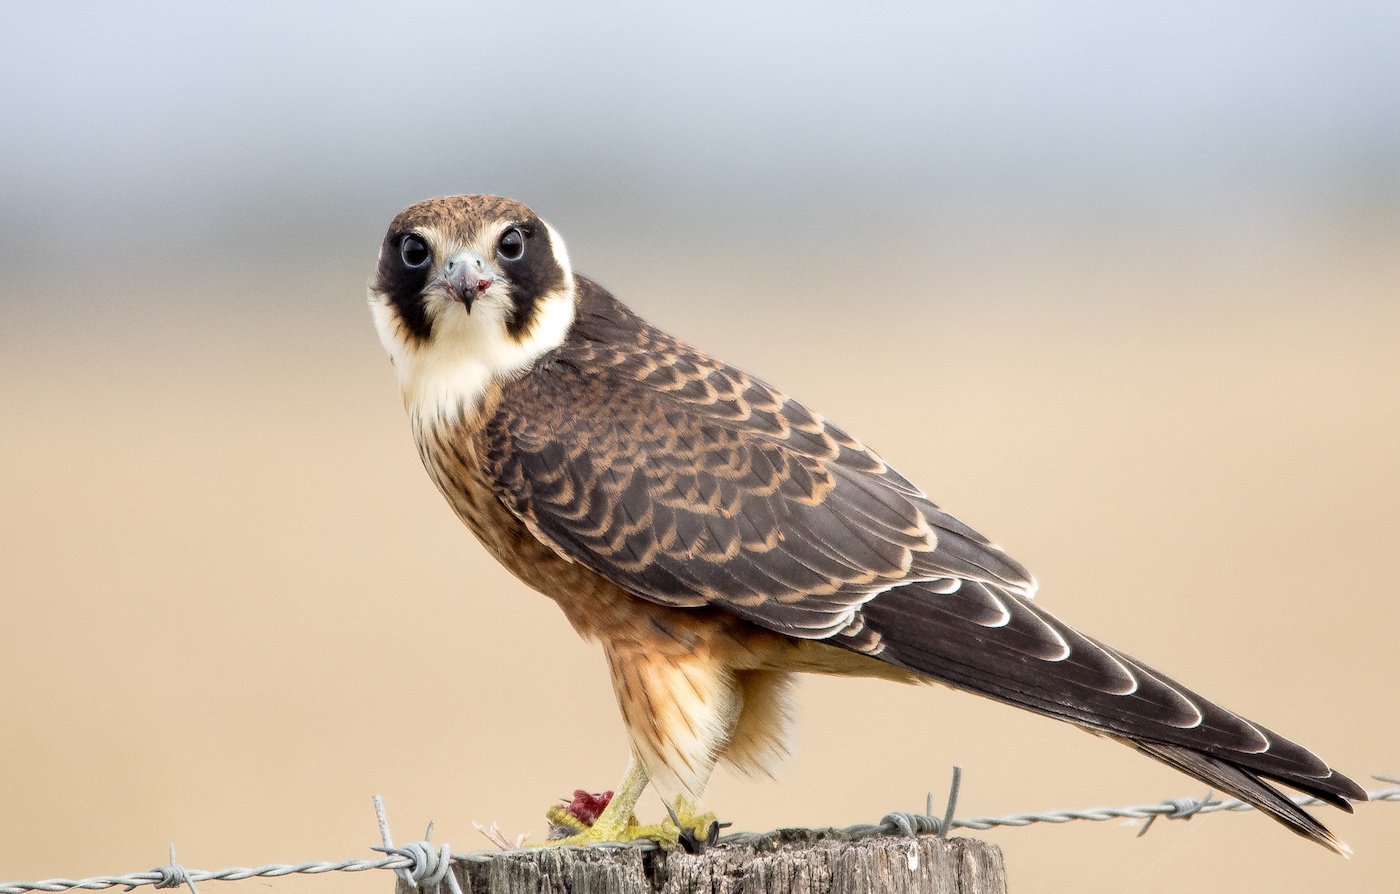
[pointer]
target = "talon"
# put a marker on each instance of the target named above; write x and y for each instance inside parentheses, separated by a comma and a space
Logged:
(694, 834)
(690, 844)
(712, 836)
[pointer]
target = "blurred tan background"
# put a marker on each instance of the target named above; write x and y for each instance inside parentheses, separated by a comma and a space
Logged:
(1118, 285)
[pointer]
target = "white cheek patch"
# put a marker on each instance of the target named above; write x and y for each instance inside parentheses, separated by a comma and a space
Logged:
(561, 252)
(444, 378)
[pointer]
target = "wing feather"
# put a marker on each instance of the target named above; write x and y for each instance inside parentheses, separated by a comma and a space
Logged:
(701, 483)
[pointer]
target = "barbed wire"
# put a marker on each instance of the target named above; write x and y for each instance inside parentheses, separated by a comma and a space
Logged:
(420, 863)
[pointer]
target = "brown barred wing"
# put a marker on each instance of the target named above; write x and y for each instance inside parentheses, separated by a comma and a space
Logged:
(688, 482)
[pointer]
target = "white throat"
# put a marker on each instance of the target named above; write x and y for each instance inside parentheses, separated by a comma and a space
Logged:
(445, 378)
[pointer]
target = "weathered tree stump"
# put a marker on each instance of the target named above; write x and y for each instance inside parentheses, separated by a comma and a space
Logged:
(789, 861)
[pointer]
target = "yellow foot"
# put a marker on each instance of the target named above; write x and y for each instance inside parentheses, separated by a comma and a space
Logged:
(586, 820)
(579, 835)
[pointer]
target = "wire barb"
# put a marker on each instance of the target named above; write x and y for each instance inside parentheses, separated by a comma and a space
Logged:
(952, 801)
(171, 876)
(912, 825)
(425, 866)
(1178, 808)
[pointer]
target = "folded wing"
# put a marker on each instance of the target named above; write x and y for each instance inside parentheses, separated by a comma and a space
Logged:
(689, 483)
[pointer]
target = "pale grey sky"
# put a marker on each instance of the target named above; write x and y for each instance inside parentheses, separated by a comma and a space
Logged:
(118, 119)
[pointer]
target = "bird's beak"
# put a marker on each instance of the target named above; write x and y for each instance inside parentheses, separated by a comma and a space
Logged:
(464, 277)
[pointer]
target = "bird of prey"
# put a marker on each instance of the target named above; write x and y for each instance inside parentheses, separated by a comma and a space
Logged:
(718, 538)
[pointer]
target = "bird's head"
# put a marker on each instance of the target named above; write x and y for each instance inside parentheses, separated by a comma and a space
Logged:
(469, 288)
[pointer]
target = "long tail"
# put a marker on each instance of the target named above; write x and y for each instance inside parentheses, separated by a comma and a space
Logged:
(987, 640)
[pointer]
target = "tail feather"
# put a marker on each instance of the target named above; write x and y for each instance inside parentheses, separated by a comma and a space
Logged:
(1024, 656)
(1249, 788)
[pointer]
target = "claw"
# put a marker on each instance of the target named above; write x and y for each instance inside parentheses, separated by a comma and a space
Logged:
(693, 844)
(696, 834)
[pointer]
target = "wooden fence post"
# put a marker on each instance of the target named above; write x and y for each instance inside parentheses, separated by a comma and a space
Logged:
(789, 861)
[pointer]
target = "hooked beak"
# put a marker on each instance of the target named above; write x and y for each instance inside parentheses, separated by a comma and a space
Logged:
(464, 278)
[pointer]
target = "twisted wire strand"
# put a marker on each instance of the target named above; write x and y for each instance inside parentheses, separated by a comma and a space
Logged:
(422, 864)
(237, 873)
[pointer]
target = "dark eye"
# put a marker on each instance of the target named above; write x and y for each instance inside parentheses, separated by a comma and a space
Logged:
(414, 252)
(512, 247)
